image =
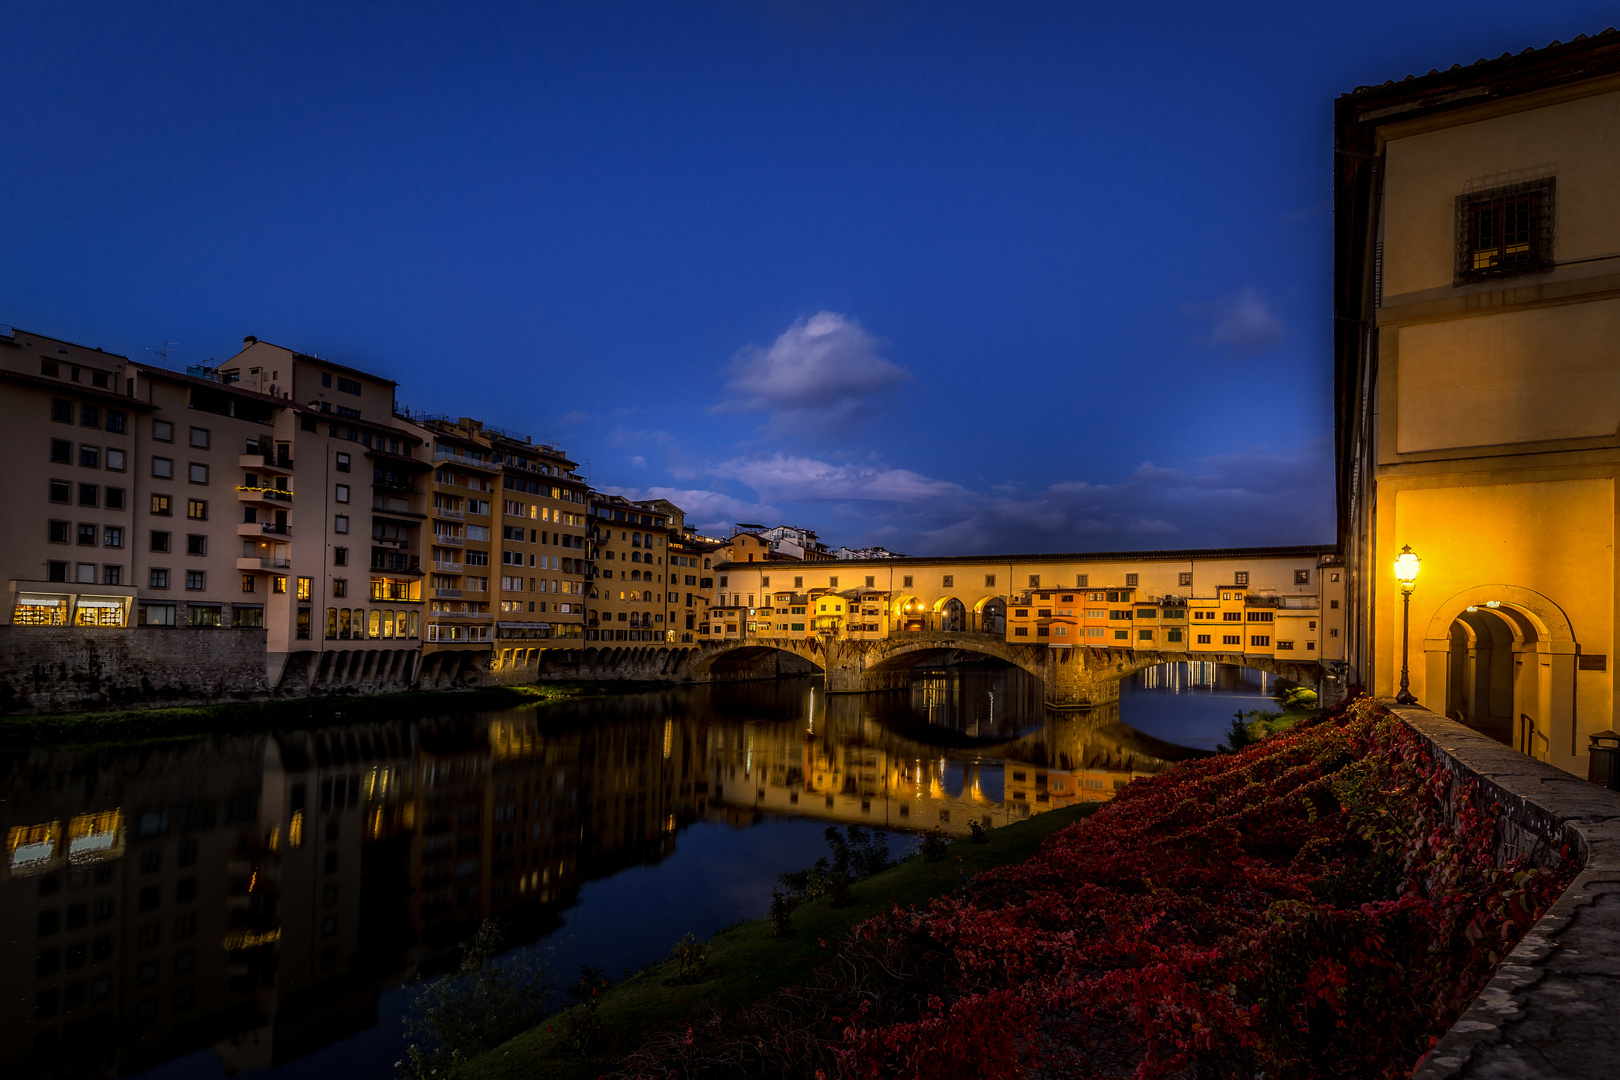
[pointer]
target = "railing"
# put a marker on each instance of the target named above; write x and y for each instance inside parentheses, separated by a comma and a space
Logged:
(447, 594)
(391, 484)
(272, 494)
(272, 528)
(1532, 742)
(382, 560)
(447, 567)
(449, 514)
(442, 454)
(448, 541)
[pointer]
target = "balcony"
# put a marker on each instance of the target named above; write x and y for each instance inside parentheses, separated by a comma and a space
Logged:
(447, 567)
(267, 566)
(448, 541)
(397, 562)
(447, 594)
(264, 496)
(448, 514)
(266, 463)
(393, 504)
(254, 529)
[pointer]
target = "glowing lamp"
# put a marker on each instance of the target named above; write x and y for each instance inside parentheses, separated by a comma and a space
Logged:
(1406, 568)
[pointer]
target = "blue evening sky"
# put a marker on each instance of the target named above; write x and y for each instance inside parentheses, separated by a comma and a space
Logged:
(945, 277)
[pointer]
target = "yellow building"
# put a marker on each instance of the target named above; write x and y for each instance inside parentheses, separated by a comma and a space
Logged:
(1477, 263)
(632, 593)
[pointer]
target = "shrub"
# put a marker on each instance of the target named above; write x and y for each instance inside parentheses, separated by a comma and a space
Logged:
(932, 848)
(481, 1005)
(979, 834)
(691, 959)
(581, 1024)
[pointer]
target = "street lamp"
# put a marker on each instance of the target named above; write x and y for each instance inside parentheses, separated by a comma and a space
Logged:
(1406, 572)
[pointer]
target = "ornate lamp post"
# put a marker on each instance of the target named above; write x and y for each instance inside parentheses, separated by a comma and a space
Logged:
(1406, 572)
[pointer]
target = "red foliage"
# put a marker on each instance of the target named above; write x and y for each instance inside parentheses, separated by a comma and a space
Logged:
(1322, 904)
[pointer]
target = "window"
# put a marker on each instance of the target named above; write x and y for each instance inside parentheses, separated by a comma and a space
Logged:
(60, 491)
(1184, 578)
(163, 468)
(115, 421)
(1302, 577)
(1505, 231)
(1203, 639)
(247, 583)
(89, 416)
(870, 582)
(196, 544)
(247, 617)
(990, 581)
(340, 556)
(342, 493)
(832, 583)
(195, 580)
(155, 614)
(1284, 646)
(1122, 635)
(160, 506)
(197, 473)
(1144, 635)
(61, 452)
(112, 536)
(343, 463)
(199, 438)
(1240, 578)
(1173, 634)
(1081, 581)
(115, 460)
(1034, 581)
(58, 532)
(1260, 640)
(157, 579)
(197, 509)
(340, 586)
(340, 523)
(112, 575)
(304, 588)
(1231, 639)
(89, 495)
(326, 378)
(89, 456)
(348, 386)
(87, 535)
(162, 431)
(115, 498)
(1132, 580)
(61, 411)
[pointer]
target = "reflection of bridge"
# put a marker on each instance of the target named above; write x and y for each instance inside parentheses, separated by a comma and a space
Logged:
(856, 761)
(1075, 678)
(1079, 623)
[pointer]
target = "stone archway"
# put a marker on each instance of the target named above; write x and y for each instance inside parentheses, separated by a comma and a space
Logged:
(1501, 658)
(952, 616)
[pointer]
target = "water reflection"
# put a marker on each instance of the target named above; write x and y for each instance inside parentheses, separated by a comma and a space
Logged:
(255, 894)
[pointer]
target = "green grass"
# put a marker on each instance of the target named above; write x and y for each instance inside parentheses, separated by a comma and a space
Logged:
(242, 717)
(747, 961)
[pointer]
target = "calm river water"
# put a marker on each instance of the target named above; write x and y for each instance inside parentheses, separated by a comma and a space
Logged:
(201, 908)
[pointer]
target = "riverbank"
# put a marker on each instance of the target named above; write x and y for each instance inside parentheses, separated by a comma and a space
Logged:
(29, 730)
(748, 962)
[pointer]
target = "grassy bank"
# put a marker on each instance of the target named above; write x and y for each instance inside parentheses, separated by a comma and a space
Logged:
(747, 962)
(240, 717)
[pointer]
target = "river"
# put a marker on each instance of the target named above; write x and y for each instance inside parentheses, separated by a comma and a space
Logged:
(262, 903)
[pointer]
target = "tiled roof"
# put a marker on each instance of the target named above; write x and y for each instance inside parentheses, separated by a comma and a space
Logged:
(1488, 66)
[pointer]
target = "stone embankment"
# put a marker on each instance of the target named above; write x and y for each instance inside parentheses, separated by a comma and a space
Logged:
(1549, 1011)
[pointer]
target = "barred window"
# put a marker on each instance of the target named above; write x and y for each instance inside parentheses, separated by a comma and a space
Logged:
(1505, 231)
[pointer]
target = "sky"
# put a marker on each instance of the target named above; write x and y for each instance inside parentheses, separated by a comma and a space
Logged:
(950, 278)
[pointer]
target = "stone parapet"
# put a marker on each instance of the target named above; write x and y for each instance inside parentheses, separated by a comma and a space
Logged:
(1549, 1011)
(54, 668)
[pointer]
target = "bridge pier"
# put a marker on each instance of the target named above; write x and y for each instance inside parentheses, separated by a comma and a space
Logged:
(1081, 678)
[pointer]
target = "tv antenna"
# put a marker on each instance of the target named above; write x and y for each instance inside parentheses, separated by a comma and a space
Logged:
(162, 351)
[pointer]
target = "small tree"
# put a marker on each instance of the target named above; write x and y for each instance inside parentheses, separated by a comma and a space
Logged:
(691, 958)
(581, 1024)
(479, 1006)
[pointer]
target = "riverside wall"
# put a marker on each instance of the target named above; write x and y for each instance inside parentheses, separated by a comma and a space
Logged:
(1548, 1012)
(55, 669)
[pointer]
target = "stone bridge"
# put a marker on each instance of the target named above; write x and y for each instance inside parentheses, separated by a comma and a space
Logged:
(1075, 678)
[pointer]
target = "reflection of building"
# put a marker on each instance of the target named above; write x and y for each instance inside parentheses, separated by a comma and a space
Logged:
(852, 759)
(1475, 316)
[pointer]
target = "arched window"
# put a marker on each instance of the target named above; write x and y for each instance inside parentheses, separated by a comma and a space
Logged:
(331, 623)
(705, 564)
(647, 597)
(635, 539)
(635, 575)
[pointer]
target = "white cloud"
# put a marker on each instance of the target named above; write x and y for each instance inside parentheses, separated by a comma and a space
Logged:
(639, 462)
(824, 371)
(1242, 322)
(713, 512)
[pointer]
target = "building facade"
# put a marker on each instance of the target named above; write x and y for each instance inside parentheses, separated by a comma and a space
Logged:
(1477, 301)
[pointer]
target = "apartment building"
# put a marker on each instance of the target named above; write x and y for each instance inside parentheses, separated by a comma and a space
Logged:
(1477, 253)
(540, 507)
(632, 593)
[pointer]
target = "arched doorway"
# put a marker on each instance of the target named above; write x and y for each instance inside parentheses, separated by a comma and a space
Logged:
(992, 613)
(1501, 659)
(952, 616)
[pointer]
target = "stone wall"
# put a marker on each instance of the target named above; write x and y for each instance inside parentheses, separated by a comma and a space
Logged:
(55, 668)
(1548, 1012)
